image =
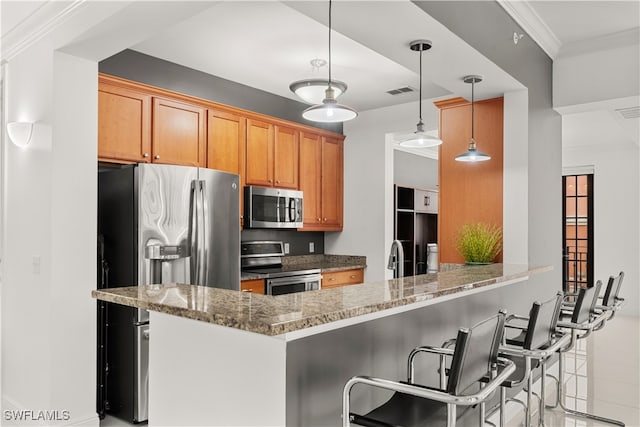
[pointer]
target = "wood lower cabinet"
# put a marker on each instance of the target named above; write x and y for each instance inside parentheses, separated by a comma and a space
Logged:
(124, 124)
(272, 155)
(321, 180)
(336, 279)
(178, 133)
(226, 136)
(255, 286)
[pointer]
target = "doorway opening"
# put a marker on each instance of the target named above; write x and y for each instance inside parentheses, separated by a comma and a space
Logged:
(577, 231)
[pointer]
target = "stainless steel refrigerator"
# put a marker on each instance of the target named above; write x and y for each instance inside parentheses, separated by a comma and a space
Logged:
(156, 224)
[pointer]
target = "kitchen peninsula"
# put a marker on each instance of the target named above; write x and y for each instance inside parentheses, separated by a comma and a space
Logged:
(221, 357)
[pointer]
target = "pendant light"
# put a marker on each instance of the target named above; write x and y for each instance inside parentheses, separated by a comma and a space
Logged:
(312, 91)
(329, 111)
(472, 154)
(420, 139)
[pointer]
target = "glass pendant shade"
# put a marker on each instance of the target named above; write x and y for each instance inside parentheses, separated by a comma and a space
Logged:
(419, 139)
(329, 111)
(472, 155)
(312, 91)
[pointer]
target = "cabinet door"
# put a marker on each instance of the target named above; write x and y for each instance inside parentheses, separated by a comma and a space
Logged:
(426, 201)
(124, 124)
(226, 135)
(285, 157)
(259, 153)
(310, 178)
(336, 279)
(332, 183)
(178, 133)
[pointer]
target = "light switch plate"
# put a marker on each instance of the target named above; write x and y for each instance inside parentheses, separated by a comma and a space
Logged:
(286, 248)
(311, 247)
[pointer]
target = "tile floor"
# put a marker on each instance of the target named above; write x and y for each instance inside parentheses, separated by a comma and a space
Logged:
(602, 376)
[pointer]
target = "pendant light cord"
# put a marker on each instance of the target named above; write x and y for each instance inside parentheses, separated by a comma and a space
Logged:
(329, 44)
(420, 92)
(473, 84)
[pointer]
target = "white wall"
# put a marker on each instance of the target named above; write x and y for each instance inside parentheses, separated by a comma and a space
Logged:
(368, 184)
(414, 171)
(616, 209)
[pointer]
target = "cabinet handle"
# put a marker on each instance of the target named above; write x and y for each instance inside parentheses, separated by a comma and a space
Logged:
(145, 155)
(157, 156)
(333, 279)
(353, 276)
(246, 290)
(427, 201)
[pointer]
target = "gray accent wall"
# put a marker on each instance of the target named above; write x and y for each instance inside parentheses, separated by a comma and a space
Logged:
(153, 71)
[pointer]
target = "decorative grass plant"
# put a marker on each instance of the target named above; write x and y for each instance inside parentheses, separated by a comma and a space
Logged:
(479, 242)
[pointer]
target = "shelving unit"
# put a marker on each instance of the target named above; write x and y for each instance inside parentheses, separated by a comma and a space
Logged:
(415, 225)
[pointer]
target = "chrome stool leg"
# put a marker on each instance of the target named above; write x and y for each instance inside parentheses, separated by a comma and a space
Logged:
(561, 396)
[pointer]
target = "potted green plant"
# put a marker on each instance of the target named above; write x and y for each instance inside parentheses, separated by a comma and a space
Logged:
(479, 243)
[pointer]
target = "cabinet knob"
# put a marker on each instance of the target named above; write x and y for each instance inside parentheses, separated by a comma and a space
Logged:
(277, 182)
(332, 279)
(269, 181)
(145, 155)
(324, 219)
(319, 220)
(157, 156)
(353, 276)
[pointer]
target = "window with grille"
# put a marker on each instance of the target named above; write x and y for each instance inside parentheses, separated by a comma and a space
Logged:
(577, 231)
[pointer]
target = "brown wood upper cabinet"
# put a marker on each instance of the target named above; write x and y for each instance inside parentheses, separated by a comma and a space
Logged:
(272, 155)
(124, 124)
(321, 180)
(178, 133)
(226, 137)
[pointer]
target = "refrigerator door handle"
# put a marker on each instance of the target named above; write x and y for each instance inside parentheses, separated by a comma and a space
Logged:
(193, 233)
(204, 233)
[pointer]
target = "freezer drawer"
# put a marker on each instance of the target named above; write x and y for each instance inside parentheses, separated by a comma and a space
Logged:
(426, 201)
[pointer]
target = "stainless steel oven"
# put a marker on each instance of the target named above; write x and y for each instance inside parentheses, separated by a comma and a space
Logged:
(272, 208)
(293, 283)
(265, 258)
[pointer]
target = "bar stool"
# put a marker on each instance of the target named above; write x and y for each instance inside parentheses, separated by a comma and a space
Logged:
(474, 361)
(586, 317)
(535, 344)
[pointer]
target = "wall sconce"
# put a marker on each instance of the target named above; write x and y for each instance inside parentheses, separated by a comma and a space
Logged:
(20, 133)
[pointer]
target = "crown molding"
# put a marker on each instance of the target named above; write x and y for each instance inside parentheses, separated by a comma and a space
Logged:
(37, 25)
(525, 16)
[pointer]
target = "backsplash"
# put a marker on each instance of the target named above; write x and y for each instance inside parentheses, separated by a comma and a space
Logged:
(299, 241)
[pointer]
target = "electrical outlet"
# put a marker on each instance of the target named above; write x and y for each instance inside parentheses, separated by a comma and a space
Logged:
(311, 247)
(286, 248)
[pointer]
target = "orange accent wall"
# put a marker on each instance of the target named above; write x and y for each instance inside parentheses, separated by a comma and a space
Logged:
(469, 192)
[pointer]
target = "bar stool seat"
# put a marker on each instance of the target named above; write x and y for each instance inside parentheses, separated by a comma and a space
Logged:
(472, 380)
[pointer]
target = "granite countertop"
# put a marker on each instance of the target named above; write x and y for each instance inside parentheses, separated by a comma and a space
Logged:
(276, 315)
(324, 262)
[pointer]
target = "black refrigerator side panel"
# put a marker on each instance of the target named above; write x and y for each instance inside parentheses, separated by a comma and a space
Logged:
(117, 223)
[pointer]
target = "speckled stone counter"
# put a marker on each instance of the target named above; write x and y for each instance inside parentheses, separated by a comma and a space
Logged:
(285, 314)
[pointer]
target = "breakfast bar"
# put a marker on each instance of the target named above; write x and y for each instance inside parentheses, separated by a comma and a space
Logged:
(222, 357)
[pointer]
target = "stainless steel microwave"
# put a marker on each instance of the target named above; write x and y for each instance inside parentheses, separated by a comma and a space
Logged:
(266, 207)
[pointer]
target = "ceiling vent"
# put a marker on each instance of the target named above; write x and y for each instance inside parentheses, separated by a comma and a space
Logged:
(401, 90)
(629, 113)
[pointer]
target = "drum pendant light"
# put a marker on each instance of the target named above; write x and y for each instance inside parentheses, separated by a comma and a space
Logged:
(472, 154)
(329, 111)
(420, 139)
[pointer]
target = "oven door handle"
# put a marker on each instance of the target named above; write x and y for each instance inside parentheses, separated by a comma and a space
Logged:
(293, 280)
